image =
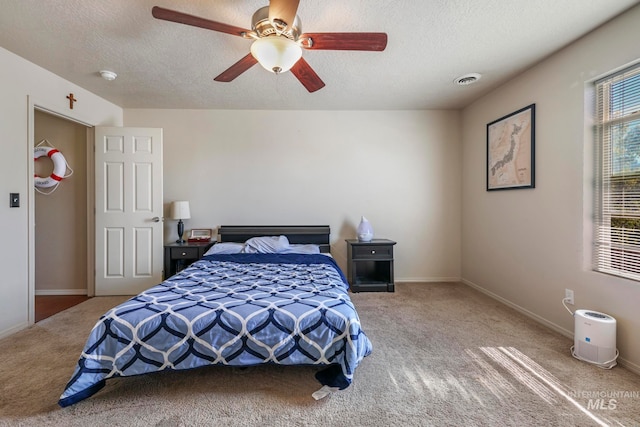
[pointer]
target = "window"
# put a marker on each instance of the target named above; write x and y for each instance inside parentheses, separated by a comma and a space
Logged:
(617, 210)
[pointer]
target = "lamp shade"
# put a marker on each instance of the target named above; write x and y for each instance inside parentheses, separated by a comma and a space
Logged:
(180, 210)
(276, 53)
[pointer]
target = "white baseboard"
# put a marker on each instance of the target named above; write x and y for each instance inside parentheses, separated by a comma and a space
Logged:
(13, 330)
(621, 361)
(61, 292)
(629, 365)
(426, 279)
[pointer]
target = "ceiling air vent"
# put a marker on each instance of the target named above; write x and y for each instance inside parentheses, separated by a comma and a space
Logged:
(467, 79)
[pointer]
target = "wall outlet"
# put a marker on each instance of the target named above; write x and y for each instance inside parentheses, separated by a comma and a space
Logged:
(568, 296)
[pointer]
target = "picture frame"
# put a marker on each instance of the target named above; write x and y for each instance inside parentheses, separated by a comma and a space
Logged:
(200, 235)
(511, 150)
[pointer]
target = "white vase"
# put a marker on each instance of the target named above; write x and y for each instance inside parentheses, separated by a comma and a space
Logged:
(364, 231)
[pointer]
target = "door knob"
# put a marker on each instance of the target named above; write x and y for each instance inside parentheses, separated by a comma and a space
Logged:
(155, 219)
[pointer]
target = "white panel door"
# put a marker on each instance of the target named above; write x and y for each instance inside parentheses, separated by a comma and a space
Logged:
(129, 231)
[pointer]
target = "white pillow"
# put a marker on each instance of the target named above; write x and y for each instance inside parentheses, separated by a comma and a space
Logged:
(225, 248)
(302, 249)
(266, 245)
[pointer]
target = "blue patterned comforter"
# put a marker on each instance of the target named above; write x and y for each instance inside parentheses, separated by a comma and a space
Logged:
(236, 310)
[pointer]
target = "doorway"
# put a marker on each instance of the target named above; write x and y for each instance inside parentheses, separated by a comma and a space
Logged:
(61, 218)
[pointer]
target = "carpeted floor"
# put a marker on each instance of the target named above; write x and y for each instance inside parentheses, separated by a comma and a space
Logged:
(444, 355)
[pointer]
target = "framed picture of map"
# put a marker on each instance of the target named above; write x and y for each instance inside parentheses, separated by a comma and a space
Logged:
(511, 149)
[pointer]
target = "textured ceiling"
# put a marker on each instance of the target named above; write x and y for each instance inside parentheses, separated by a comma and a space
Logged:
(167, 65)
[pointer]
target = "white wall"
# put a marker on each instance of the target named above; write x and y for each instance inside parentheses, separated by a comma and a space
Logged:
(526, 246)
(21, 81)
(400, 169)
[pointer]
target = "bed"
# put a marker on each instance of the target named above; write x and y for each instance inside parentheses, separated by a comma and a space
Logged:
(261, 295)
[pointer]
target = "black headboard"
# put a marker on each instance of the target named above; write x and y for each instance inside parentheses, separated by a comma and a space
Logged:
(297, 234)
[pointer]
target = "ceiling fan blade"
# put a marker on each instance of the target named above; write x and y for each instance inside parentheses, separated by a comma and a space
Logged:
(345, 41)
(236, 69)
(283, 11)
(309, 79)
(183, 18)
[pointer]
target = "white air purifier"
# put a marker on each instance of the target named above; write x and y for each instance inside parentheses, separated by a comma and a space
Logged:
(595, 338)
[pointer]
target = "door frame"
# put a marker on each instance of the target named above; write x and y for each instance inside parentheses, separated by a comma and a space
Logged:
(33, 105)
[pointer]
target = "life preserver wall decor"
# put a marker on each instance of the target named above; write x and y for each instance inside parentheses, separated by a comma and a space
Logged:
(60, 167)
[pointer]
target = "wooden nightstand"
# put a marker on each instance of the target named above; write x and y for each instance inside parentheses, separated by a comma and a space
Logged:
(179, 255)
(370, 265)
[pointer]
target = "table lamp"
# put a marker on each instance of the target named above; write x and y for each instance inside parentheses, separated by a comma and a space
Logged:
(180, 210)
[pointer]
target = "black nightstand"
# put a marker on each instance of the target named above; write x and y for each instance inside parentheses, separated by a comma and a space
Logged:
(179, 255)
(370, 265)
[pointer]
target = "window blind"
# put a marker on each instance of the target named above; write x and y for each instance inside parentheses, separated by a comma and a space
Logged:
(617, 210)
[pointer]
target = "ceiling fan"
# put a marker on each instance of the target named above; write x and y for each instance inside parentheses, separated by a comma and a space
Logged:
(278, 41)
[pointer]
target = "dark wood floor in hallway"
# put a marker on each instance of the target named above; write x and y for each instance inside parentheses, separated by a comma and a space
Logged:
(48, 305)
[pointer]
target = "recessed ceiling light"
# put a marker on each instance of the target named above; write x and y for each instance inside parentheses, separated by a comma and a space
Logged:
(108, 75)
(467, 79)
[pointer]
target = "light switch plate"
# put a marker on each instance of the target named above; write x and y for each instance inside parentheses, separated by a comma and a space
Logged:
(14, 200)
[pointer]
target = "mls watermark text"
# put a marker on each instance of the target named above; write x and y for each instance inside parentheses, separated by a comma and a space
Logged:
(604, 400)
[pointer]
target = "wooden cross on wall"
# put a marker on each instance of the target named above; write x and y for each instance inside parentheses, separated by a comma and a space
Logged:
(71, 100)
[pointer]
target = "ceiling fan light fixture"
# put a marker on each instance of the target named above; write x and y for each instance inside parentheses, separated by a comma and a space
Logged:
(276, 53)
